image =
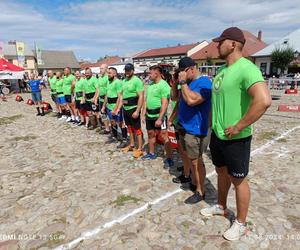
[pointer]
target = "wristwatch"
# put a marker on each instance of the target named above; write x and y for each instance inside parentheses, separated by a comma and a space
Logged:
(182, 82)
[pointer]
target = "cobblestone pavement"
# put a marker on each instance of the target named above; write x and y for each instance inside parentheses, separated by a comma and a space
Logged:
(58, 181)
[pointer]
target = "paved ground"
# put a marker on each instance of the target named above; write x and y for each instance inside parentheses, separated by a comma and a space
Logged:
(59, 181)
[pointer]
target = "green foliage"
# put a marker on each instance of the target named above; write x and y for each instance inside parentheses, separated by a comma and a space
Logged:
(209, 61)
(282, 57)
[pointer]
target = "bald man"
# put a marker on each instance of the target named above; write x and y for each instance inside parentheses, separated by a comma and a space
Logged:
(101, 93)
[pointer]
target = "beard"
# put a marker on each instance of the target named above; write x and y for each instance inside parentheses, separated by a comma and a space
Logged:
(110, 79)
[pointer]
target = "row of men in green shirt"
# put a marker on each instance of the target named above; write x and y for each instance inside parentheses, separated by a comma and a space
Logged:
(128, 87)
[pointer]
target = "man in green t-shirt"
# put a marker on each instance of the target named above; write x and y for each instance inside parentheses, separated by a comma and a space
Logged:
(101, 93)
(133, 100)
(52, 81)
(154, 113)
(239, 98)
(113, 107)
(78, 88)
(89, 99)
(69, 80)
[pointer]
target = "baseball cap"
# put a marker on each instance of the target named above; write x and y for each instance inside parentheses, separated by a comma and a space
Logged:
(232, 33)
(128, 67)
(186, 62)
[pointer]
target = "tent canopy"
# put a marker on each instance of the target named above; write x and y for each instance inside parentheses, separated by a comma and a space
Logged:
(10, 71)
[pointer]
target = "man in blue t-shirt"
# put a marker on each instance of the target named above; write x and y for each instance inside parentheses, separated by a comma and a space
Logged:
(35, 87)
(193, 114)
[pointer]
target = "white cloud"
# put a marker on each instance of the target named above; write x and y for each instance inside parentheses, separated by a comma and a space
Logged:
(96, 28)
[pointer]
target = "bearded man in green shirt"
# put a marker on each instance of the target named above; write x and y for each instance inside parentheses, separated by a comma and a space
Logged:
(239, 98)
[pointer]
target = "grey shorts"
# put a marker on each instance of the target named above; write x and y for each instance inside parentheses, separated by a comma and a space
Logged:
(193, 145)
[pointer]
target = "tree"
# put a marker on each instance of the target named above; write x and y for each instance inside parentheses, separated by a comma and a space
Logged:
(282, 56)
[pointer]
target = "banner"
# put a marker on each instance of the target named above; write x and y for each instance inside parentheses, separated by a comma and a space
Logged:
(38, 52)
(1, 49)
(20, 46)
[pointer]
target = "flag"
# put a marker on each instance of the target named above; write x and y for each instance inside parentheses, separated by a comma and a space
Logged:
(38, 52)
(1, 49)
(20, 46)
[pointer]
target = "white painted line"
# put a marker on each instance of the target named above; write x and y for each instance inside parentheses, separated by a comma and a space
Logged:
(89, 234)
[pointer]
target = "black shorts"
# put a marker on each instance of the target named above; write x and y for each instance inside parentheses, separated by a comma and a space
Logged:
(234, 154)
(150, 123)
(54, 97)
(68, 98)
(78, 105)
(90, 106)
(129, 121)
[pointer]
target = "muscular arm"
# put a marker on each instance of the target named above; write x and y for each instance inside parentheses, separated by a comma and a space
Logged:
(140, 101)
(164, 106)
(261, 101)
(192, 98)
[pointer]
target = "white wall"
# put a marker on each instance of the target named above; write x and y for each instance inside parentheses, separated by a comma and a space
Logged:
(197, 48)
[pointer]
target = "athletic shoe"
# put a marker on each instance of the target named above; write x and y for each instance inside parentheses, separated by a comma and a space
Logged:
(137, 153)
(122, 144)
(236, 231)
(127, 149)
(42, 114)
(168, 163)
(195, 198)
(188, 186)
(111, 140)
(181, 179)
(180, 169)
(80, 124)
(213, 210)
(38, 114)
(149, 156)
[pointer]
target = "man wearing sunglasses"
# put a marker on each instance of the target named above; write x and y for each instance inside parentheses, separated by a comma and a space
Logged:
(193, 115)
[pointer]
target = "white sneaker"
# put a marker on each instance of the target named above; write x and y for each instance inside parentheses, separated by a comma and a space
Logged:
(69, 119)
(236, 231)
(62, 118)
(213, 210)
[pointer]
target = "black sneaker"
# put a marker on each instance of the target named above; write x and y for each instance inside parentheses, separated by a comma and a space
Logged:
(180, 169)
(111, 140)
(181, 179)
(81, 124)
(195, 198)
(123, 144)
(38, 114)
(188, 186)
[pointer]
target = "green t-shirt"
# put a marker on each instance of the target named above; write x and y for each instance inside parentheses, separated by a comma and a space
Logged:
(130, 88)
(113, 89)
(68, 84)
(102, 86)
(155, 92)
(52, 81)
(90, 86)
(230, 99)
(59, 87)
(79, 87)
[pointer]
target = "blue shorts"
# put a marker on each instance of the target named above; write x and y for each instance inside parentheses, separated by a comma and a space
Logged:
(117, 118)
(36, 96)
(61, 100)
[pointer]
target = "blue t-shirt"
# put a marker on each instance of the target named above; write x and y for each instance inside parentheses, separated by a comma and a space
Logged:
(194, 119)
(35, 85)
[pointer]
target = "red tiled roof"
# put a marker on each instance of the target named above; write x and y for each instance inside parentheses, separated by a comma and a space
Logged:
(176, 50)
(252, 45)
(108, 60)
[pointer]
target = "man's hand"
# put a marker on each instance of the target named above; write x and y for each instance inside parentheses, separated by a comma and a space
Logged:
(135, 115)
(231, 131)
(103, 110)
(158, 122)
(182, 76)
(115, 112)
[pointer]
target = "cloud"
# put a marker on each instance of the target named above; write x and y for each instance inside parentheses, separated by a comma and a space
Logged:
(97, 28)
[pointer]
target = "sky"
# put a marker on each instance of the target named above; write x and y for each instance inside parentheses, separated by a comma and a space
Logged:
(95, 28)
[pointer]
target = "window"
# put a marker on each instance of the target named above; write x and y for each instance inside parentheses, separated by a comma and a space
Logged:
(263, 68)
